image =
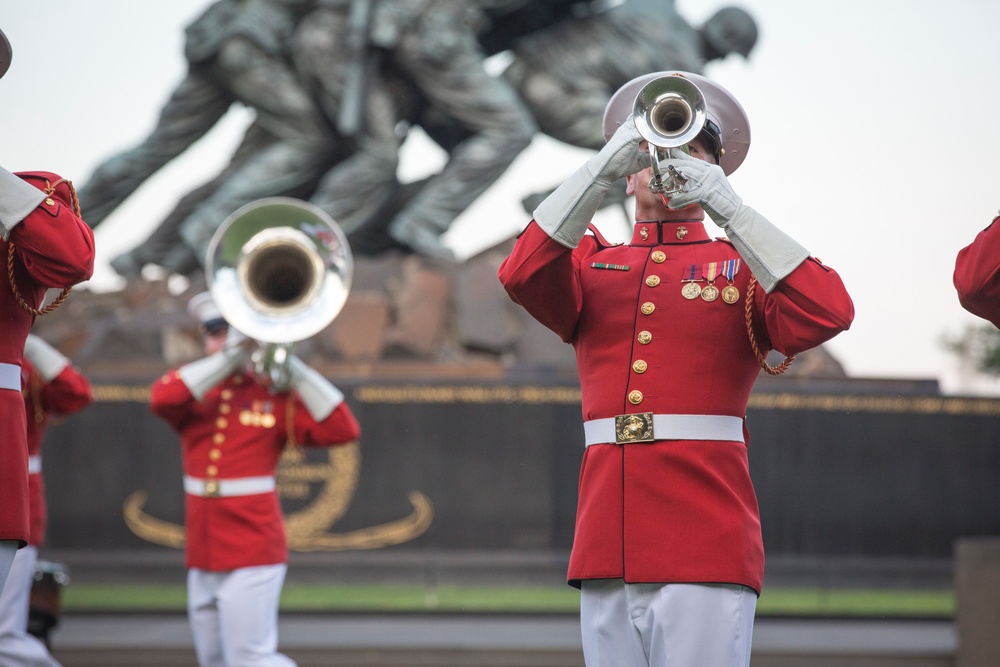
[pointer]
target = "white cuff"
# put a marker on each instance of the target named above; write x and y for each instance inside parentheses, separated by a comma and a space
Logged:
(200, 376)
(47, 360)
(770, 253)
(317, 393)
(17, 200)
(565, 215)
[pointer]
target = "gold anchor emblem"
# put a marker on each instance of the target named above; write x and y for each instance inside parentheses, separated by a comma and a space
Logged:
(308, 528)
(682, 231)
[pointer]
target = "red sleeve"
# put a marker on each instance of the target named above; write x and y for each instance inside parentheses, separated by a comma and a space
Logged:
(977, 274)
(55, 246)
(807, 308)
(543, 276)
(67, 393)
(339, 428)
(171, 400)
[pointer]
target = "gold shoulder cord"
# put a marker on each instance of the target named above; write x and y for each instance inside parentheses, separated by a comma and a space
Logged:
(31, 310)
(771, 370)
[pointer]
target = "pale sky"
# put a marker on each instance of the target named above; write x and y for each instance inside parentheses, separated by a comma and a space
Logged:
(874, 127)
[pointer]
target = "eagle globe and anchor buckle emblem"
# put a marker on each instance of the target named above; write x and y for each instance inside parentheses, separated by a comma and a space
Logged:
(304, 242)
(634, 428)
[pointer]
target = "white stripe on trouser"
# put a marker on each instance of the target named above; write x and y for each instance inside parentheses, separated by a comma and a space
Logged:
(17, 647)
(234, 616)
(10, 377)
(672, 427)
(666, 625)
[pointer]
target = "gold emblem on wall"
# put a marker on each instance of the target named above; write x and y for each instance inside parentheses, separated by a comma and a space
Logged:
(309, 528)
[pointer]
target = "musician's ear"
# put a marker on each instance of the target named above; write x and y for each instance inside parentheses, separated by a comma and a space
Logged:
(630, 184)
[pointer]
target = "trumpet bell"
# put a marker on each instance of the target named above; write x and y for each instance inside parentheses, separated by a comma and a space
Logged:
(669, 111)
(279, 270)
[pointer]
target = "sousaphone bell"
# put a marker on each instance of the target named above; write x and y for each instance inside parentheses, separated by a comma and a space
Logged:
(279, 269)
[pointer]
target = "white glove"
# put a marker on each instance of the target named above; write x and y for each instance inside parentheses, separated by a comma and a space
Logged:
(317, 393)
(47, 360)
(566, 213)
(17, 200)
(769, 252)
(200, 376)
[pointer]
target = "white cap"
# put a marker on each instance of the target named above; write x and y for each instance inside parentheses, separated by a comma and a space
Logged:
(722, 109)
(202, 308)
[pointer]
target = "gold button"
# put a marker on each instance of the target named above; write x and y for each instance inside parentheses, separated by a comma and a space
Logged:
(635, 397)
(215, 454)
(644, 337)
(640, 366)
(221, 423)
(227, 394)
(211, 471)
(647, 308)
(658, 256)
(268, 420)
(218, 438)
(225, 408)
(653, 281)
(49, 201)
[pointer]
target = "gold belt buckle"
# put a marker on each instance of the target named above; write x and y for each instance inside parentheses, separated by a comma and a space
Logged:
(212, 488)
(634, 428)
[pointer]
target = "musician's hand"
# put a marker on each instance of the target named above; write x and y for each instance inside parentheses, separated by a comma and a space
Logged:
(621, 156)
(236, 342)
(706, 185)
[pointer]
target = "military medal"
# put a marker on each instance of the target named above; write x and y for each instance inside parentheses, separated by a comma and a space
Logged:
(729, 269)
(710, 292)
(691, 289)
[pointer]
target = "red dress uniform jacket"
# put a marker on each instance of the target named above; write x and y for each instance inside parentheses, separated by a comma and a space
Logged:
(977, 274)
(671, 510)
(53, 247)
(67, 393)
(239, 430)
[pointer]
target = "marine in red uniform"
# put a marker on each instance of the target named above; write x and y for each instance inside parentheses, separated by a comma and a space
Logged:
(45, 244)
(668, 549)
(977, 274)
(51, 386)
(233, 430)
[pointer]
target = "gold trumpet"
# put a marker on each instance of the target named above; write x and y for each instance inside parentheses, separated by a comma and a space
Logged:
(669, 113)
(279, 270)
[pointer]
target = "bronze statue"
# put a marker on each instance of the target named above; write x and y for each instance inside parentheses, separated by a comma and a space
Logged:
(336, 84)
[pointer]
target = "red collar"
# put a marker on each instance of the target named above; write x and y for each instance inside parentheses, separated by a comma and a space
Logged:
(656, 232)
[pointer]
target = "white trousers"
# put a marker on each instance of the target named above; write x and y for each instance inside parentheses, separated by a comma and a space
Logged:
(234, 616)
(7, 550)
(666, 625)
(17, 647)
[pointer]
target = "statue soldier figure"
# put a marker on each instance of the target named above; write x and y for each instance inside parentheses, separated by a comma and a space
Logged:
(236, 53)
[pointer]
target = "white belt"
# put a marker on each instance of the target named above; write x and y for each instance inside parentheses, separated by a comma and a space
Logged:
(10, 377)
(647, 427)
(34, 464)
(226, 488)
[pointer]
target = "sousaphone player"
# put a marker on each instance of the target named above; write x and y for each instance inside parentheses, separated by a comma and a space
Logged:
(279, 270)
